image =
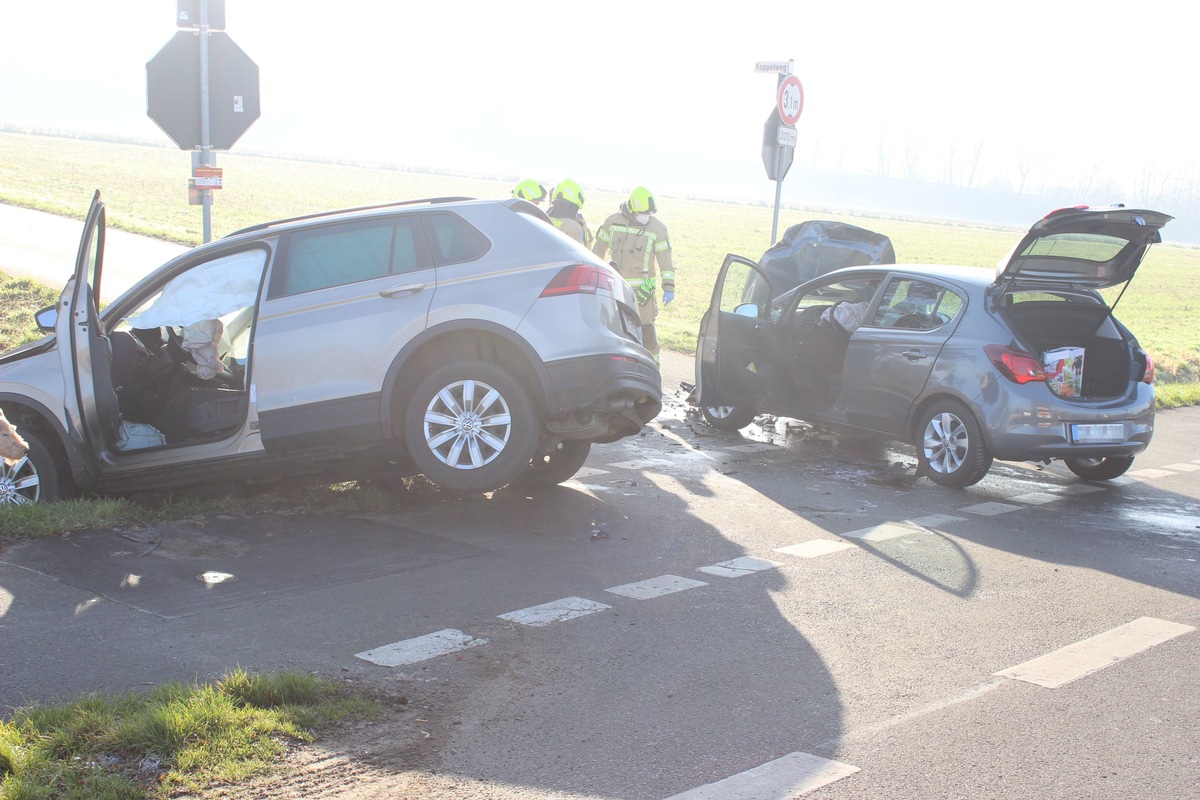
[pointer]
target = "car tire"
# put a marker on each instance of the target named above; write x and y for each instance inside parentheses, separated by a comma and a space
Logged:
(471, 427)
(728, 418)
(950, 446)
(39, 477)
(554, 466)
(1099, 469)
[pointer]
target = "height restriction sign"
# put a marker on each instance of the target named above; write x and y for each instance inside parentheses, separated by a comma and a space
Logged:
(791, 99)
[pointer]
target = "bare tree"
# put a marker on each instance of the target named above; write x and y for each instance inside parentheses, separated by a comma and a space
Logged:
(1025, 160)
(912, 156)
(972, 165)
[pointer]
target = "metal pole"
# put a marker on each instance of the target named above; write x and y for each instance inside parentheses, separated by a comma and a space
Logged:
(775, 222)
(206, 153)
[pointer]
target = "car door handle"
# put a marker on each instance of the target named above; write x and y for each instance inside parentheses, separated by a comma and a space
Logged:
(401, 289)
(914, 355)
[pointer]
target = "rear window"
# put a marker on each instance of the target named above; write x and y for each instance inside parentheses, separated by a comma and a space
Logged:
(1081, 246)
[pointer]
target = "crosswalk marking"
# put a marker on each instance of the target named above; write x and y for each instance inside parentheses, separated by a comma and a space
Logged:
(790, 776)
(752, 448)
(1150, 473)
(554, 611)
(881, 533)
(1091, 655)
(990, 509)
(736, 568)
(421, 648)
(655, 587)
(814, 548)
(1184, 467)
(1036, 498)
(936, 521)
(1077, 488)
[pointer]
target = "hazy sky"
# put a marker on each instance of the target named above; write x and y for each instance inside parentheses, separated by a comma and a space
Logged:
(661, 93)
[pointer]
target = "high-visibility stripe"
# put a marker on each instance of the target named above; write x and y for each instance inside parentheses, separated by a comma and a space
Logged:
(668, 277)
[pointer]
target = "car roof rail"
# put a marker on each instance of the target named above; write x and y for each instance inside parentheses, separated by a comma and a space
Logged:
(317, 215)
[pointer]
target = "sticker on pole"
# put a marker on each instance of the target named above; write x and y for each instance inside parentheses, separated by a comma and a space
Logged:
(791, 100)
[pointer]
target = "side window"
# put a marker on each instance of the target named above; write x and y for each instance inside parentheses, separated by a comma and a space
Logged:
(452, 240)
(916, 305)
(336, 255)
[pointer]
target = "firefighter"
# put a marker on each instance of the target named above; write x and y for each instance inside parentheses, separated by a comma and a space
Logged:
(530, 190)
(641, 252)
(566, 202)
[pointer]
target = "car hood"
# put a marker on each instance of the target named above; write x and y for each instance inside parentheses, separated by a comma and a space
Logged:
(1083, 247)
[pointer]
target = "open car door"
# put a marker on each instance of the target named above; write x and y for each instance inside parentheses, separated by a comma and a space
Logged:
(733, 336)
(89, 399)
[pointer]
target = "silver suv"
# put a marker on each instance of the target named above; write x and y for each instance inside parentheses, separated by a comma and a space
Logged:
(468, 340)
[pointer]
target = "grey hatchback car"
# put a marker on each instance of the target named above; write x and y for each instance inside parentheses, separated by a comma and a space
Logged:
(468, 340)
(1022, 363)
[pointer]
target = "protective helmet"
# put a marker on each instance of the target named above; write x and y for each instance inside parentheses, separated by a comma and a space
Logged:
(570, 191)
(641, 201)
(530, 190)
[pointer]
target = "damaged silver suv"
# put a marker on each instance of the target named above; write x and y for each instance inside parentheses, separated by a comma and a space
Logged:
(467, 340)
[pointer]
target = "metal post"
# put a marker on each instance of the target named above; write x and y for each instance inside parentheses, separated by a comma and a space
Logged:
(206, 152)
(775, 222)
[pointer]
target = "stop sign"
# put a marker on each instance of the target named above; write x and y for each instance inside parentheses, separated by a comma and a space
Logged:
(173, 90)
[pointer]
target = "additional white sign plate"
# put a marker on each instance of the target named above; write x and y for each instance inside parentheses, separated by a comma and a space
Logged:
(787, 136)
(773, 66)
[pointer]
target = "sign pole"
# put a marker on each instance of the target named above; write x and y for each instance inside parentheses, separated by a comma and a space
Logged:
(779, 180)
(206, 153)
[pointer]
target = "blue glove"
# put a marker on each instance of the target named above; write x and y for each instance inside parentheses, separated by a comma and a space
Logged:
(668, 297)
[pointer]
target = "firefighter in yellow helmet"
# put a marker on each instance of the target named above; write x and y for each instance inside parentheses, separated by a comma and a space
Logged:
(566, 202)
(530, 190)
(641, 252)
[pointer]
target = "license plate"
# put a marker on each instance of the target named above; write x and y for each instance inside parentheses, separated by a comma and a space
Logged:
(1098, 434)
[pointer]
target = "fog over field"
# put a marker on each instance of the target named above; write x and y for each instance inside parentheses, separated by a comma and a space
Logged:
(982, 113)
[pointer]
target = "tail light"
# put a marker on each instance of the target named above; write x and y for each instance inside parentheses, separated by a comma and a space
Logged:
(579, 279)
(1148, 372)
(1016, 365)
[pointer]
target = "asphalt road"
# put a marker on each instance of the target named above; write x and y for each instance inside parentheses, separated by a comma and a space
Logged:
(773, 613)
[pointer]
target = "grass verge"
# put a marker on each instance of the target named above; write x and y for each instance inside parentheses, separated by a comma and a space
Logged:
(176, 738)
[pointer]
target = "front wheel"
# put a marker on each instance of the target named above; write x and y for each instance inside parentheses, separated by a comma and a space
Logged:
(39, 476)
(556, 465)
(1099, 469)
(471, 427)
(950, 446)
(728, 418)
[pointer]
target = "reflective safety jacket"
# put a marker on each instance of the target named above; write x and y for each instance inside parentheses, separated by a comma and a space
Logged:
(570, 227)
(639, 251)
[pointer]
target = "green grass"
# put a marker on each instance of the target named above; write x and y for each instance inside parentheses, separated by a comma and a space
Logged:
(177, 738)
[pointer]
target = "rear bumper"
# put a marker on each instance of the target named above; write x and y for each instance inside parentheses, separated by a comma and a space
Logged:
(623, 391)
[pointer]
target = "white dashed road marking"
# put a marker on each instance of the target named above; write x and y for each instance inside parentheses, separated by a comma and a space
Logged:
(655, 587)
(1092, 655)
(1077, 488)
(1184, 467)
(881, 533)
(1036, 498)
(410, 651)
(791, 776)
(554, 611)
(641, 464)
(935, 521)
(752, 448)
(814, 548)
(588, 472)
(1149, 473)
(746, 565)
(990, 509)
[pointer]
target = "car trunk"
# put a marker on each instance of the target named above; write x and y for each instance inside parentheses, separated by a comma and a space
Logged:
(1065, 330)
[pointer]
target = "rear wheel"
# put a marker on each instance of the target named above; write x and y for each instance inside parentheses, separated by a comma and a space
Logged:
(728, 418)
(471, 427)
(555, 465)
(37, 477)
(950, 446)
(1099, 469)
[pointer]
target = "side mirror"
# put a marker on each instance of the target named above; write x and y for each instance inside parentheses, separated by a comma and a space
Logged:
(747, 310)
(47, 318)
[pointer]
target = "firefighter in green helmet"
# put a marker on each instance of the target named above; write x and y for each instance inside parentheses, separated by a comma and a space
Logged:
(530, 190)
(641, 252)
(566, 204)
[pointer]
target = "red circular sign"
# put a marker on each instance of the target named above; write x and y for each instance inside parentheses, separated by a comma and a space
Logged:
(791, 100)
